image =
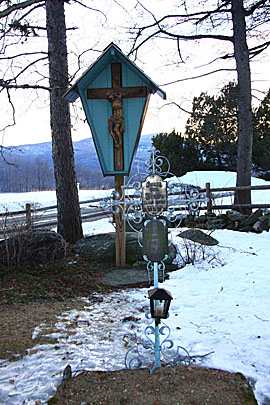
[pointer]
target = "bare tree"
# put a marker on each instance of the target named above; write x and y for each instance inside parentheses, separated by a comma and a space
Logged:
(17, 27)
(68, 209)
(209, 21)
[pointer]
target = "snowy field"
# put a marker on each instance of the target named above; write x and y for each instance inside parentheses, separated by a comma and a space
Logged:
(221, 305)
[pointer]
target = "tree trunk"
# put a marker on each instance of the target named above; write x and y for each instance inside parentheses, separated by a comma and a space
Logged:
(68, 218)
(245, 129)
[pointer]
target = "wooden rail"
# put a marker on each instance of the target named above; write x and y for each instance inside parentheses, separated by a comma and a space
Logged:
(26, 220)
(210, 207)
(30, 223)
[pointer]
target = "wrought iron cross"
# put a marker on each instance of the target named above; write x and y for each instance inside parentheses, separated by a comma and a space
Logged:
(114, 95)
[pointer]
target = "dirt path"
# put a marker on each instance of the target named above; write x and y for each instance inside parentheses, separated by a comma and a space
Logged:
(176, 385)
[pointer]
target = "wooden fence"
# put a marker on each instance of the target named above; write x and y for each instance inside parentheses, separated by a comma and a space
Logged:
(33, 218)
(30, 218)
(209, 194)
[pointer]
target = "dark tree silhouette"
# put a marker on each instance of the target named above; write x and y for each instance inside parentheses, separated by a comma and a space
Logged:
(206, 21)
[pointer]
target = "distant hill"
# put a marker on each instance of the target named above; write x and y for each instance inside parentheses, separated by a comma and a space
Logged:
(32, 166)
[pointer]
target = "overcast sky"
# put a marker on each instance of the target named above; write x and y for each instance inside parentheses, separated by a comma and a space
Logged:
(157, 60)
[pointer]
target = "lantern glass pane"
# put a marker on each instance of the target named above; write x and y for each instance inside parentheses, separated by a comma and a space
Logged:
(159, 308)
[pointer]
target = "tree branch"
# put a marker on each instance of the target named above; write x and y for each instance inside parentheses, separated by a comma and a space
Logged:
(90, 8)
(196, 77)
(217, 10)
(255, 7)
(13, 114)
(19, 6)
(24, 54)
(256, 50)
(6, 85)
(197, 36)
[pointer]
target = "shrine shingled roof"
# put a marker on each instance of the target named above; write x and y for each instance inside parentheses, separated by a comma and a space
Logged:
(110, 53)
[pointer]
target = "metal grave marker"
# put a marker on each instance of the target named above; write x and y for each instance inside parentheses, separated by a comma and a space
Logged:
(155, 240)
(154, 195)
(150, 199)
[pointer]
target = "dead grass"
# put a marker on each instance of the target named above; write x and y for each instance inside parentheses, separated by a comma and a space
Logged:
(37, 294)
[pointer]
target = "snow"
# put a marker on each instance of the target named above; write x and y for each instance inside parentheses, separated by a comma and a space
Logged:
(17, 201)
(220, 305)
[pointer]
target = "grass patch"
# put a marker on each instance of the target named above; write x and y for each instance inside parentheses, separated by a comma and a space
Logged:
(58, 281)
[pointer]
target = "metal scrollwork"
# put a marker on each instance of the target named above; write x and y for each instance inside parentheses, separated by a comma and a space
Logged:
(182, 199)
(141, 354)
(149, 205)
(154, 164)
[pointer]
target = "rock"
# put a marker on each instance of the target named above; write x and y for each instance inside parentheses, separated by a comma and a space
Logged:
(264, 219)
(253, 218)
(35, 246)
(232, 226)
(260, 226)
(196, 235)
(202, 219)
(102, 248)
(216, 223)
(257, 226)
(235, 216)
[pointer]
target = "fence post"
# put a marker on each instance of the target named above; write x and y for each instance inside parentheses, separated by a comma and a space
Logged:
(208, 195)
(28, 216)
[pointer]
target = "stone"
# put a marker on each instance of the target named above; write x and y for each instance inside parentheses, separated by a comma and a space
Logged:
(216, 223)
(34, 246)
(102, 248)
(253, 218)
(257, 226)
(235, 216)
(196, 235)
(201, 219)
(260, 227)
(126, 277)
(263, 218)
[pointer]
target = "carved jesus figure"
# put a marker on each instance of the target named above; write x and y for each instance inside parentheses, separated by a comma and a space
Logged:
(116, 121)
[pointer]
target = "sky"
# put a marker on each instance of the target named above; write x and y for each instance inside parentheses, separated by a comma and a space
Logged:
(220, 305)
(156, 59)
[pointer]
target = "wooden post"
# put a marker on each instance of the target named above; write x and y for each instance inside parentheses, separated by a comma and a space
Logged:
(120, 225)
(208, 195)
(28, 216)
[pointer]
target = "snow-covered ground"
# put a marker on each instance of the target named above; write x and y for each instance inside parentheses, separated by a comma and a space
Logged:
(220, 304)
(17, 201)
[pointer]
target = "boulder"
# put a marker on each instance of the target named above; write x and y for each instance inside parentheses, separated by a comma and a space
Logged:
(34, 246)
(235, 216)
(260, 226)
(196, 235)
(102, 248)
(253, 218)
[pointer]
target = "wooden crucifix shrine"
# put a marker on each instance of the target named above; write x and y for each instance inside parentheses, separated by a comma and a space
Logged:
(114, 95)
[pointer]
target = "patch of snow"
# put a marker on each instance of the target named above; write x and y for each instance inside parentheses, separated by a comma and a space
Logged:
(220, 304)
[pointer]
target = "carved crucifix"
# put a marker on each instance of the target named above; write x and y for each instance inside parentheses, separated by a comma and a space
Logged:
(114, 95)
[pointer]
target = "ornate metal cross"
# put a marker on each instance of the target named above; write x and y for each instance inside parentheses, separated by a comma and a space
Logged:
(114, 95)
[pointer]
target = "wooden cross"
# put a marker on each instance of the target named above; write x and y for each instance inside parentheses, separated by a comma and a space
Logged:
(114, 95)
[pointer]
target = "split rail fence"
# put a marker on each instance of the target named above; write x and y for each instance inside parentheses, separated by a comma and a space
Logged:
(45, 217)
(224, 193)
